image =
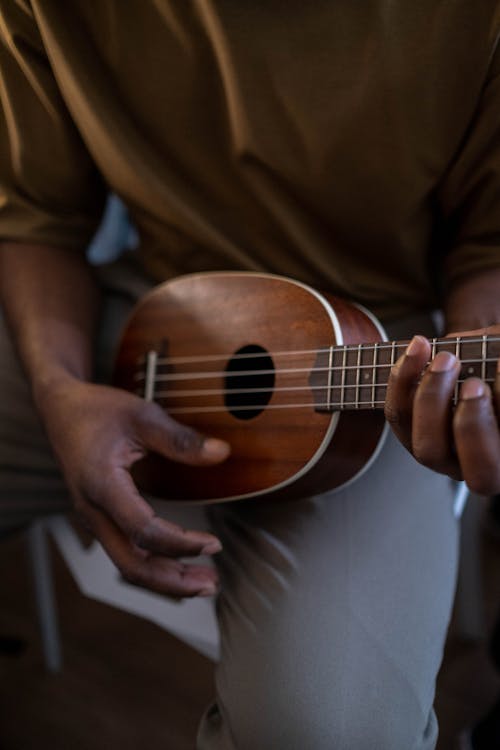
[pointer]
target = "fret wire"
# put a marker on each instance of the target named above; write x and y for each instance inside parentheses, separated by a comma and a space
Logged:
(330, 376)
(457, 355)
(433, 347)
(484, 354)
(358, 362)
(478, 359)
(342, 384)
(374, 365)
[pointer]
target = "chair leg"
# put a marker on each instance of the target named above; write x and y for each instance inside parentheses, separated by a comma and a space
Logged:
(44, 596)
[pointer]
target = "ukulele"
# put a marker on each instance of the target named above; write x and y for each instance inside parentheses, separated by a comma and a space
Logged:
(294, 380)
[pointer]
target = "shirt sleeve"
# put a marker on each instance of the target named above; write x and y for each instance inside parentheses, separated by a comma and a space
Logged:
(50, 189)
(469, 197)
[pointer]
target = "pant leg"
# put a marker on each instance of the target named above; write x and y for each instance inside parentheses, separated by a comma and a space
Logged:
(333, 615)
(334, 612)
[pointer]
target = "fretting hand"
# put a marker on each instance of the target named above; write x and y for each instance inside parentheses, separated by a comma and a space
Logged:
(463, 442)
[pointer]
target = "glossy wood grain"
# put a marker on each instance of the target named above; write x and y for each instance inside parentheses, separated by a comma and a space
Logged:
(287, 452)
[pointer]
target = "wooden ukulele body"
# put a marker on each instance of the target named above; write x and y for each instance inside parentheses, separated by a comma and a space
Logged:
(200, 326)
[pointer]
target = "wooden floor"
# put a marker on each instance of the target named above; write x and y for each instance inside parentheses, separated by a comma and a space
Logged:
(128, 685)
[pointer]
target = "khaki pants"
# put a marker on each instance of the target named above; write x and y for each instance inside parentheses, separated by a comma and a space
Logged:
(333, 611)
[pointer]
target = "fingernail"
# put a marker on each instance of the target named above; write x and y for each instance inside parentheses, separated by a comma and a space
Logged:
(212, 548)
(214, 448)
(414, 346)
(472, 388)
(443, 362)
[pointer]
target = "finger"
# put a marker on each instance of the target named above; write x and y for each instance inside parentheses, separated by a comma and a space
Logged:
(496, 391)
(120, 499)
(403, 381)
(162, 434)
(477, 438)
(157, 573)
(432, 436)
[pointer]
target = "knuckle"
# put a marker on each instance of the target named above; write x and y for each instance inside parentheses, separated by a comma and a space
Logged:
(392, 415)
(425, 456)
(80, 506)
(429, 396)
(431, 449)
(83, 521)
(131, 572)
(143, 536)
(148, 415)
(151, 410)
(186, 441)
(481, 485)
(81, 513)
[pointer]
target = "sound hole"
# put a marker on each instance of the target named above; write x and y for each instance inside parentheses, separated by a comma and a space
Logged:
(248, 394)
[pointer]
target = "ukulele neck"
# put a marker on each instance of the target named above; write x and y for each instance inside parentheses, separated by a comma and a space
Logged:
(355, 377)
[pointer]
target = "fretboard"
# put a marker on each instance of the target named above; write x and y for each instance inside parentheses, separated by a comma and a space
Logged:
(356, 376)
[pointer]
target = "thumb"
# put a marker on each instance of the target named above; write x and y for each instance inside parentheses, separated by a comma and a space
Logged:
(158, 432)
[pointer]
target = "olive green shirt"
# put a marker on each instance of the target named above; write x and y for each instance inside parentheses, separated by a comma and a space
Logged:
(352, 145)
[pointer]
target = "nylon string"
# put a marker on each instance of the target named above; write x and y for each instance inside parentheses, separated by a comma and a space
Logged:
(358, 385)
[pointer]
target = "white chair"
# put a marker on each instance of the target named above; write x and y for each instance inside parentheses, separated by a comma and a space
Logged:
(191, 620)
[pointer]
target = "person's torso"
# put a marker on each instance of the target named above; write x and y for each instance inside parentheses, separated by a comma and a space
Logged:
(305, 139)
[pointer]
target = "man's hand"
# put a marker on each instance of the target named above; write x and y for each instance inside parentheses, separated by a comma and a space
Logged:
(463, 442)
(97, 433)
(51, 300)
